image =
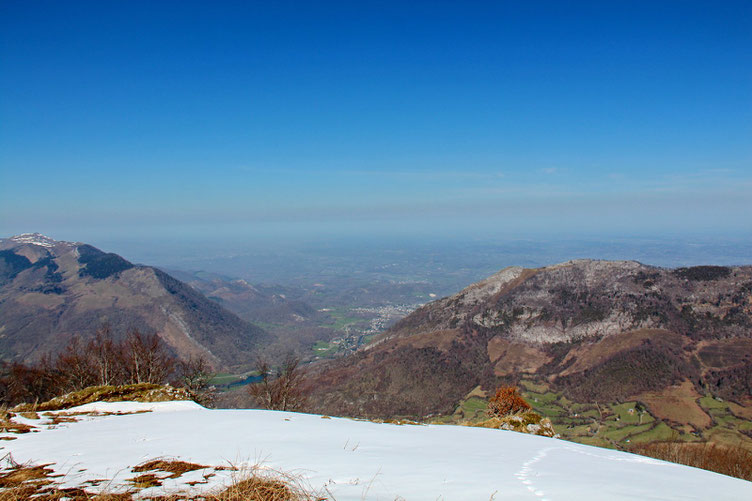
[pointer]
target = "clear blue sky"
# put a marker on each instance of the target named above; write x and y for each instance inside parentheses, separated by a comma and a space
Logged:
(437, 117)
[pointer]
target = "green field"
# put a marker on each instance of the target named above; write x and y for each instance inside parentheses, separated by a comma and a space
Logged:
(324, 349)
(341, 319)
(612, 424)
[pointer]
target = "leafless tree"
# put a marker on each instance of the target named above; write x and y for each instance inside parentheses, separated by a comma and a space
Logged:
(195, 375)
(107, 358)
(140, 358)
(147, 359)
(23, 383)
(283, 390)
(73, 367)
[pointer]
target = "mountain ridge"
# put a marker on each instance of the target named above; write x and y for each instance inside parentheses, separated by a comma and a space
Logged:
(582, 331)
(51, 290)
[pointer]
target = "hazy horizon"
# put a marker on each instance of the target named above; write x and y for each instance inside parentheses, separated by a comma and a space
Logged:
(138, 125)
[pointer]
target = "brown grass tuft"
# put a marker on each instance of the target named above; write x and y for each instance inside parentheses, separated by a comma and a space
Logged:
(257, 489)
(23, 482)
(145, 481)
(23, 473)
(7, 425)
(173, 466)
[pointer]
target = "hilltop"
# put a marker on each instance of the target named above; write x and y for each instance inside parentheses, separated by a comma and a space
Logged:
(586, 340)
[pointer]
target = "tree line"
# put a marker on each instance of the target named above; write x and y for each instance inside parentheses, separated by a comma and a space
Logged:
(138, 358)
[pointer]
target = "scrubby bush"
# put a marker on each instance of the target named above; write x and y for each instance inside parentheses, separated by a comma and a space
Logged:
(195, 375)
(506, 401)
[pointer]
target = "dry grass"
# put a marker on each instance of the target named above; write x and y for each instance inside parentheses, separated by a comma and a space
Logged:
(263, 484)
(39, 482)
(400, 422)
(7, 425)
(257, 489)
(145, 481)
(173, 466)
(677, 404)
(732, 461)
(24, 481)
(17, 475)
(143, 392)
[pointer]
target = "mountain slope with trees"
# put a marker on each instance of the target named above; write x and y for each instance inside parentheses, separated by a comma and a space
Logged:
(51, 291)
(573, 335)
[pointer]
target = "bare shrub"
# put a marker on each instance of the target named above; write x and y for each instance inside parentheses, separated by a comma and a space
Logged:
(107, 358)
(22, 383)
(194, 375)
(507, 401)
(103, 361)
(281, 390)
(147, 358)
(73, 369)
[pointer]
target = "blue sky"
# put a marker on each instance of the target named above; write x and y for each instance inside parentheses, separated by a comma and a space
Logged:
(212, 118)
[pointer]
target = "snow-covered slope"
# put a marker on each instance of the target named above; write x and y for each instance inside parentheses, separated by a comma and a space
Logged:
(344, 459)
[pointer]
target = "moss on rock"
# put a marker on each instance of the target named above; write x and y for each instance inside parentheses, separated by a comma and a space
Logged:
(142, 392)
(527, 422)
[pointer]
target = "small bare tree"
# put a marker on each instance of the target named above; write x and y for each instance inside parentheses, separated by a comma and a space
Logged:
(23, 383)
(195, 375)
(107, 357)
(281, 391)
(147, 359)
(73, 367)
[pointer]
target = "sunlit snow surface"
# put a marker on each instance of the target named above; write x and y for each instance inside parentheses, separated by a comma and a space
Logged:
(344, 459)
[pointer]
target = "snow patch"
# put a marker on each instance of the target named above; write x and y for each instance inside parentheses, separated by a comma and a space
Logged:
(346, 459)
(35, 239)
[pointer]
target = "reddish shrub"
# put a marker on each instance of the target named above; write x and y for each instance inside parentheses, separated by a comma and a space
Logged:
(507, 401)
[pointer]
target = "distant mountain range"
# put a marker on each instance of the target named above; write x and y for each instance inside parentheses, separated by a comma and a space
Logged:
(580, 338)
(52, 290)
(582, 331)
(255, 303)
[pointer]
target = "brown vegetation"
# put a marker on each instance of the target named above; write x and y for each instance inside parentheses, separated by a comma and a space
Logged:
(283, 390)
(257, 489)
(21, 482)
(105, 363)
(506, 401)
(524, 422)
(172, 466)
(7, 425)
(732, 461)
(143, 392)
